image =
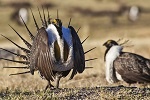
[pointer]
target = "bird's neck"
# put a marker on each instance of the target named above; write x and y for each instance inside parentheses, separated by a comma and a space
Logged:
(59, 29)
(106, 53)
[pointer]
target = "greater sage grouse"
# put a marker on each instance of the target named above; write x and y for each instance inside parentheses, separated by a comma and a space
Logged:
(125, 66)
(55, 50)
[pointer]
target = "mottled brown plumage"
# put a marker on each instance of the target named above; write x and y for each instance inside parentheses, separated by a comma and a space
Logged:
(54, 51)
(133, 68)
(126, 66)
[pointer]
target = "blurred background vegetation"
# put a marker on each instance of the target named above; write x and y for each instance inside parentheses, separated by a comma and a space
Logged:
(99, 19)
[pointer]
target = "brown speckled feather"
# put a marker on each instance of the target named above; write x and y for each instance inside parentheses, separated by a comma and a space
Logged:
(133, 68)
(41, 52)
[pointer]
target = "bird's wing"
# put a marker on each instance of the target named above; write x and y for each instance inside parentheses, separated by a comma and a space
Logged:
(133, 67)
(79, 59)
(41, 55)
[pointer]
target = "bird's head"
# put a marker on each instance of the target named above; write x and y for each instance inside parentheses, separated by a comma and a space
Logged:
(58, 24)
(110, 43)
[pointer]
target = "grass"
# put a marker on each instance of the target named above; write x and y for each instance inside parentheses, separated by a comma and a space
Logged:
(92, 81)
(113, 93)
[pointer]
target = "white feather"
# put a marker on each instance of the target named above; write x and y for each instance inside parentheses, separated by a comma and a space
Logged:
(119, 76)
(68, 37)
(111, 55)
(53, 36)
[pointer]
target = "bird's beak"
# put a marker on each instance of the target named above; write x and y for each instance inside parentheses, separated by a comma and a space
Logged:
(105, 44)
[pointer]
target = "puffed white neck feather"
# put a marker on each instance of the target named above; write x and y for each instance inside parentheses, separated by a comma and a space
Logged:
(111, 55)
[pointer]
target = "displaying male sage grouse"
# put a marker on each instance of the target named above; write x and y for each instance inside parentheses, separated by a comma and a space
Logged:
(126, 66)
(54, 50)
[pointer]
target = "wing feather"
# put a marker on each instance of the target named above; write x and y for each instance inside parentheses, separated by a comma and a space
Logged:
(133, 67)
(79, 59)
(41, 56)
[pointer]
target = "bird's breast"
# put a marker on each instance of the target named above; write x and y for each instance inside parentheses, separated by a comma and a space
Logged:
(61, 48)
(113, 53)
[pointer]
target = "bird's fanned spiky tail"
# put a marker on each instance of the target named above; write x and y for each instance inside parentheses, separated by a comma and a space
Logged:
(27, 51)
(29, 32)
(90, 59)
(45, 25)
(38, 53)
(19, 55)
(36, 25)
(89, 50)
(20, 73)
(26, 67)
(22, 62)
(48, 17)
(24, 49)
(26, 42)
(85, 39)
(41, 17)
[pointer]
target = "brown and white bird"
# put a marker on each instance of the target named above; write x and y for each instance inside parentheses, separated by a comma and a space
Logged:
(54, 52)
(125, 66)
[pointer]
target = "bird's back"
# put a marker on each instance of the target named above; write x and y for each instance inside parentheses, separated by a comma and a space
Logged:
(132, 67)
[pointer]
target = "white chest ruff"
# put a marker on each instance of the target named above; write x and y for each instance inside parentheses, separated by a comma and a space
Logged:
(111, 55)
(53, 36)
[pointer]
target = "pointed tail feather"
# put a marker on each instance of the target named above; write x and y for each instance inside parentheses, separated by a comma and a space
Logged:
(20, 73)
(85, 39)
(26, 42)
(69, 22)
(78, 29)
(88, 67)
(34, 20)
(22, 62)
(19, 55)
(45, 23)
(26, 67)
(48, 17)
(89, 50)
(57, 14)
(90, 59)
(25, 50)
(41, 17)
(30, 34)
